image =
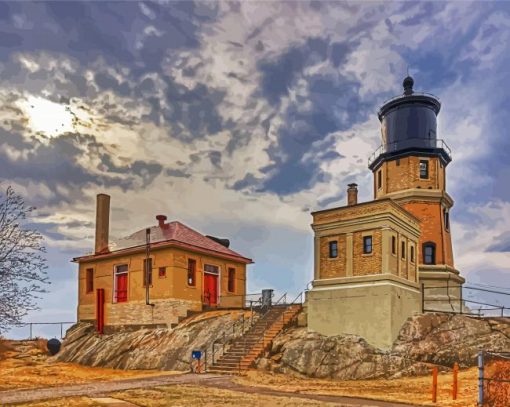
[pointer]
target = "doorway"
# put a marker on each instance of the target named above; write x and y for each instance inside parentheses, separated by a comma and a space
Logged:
(211, 274)
(121, 283)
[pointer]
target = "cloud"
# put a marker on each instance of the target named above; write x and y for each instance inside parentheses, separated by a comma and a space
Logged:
(240, 118)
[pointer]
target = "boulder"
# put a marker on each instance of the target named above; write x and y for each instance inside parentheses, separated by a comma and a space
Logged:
(444, 339)
(424, 341)
(340, 357)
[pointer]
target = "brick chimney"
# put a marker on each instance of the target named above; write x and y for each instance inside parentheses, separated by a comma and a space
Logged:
(102, 223)
(161, 220)
(352, 194)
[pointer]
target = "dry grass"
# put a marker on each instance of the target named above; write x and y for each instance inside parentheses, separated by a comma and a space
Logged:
(185, 396)
(5, 348)
(415, 390)
(41, 344)
(64, 402)
(207, 397)
(26, 366)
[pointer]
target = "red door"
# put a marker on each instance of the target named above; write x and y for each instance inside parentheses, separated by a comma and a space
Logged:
(100, 310)
(211, 289)
(121, 287)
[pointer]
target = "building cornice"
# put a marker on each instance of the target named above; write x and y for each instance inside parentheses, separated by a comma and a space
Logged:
(355, 223)
(363, 280)
(419, 194)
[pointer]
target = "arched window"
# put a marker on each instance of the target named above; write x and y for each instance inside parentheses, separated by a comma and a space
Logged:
(429, 253)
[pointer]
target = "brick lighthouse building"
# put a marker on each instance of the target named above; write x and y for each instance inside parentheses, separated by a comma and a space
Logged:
(373, 260)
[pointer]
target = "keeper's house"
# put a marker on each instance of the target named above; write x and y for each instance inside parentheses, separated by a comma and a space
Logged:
(187, 271)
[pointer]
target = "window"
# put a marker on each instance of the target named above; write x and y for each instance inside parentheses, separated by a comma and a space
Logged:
(403, 250)
(231, 279)
(367, 244)
(424, 169)
(89, 280)
(379, 179)
(192, 271)
(412, 254)
(209, 268)
(446, 215)
(393, 245)
(162, 272)
(333, 249)
(147, 272)
(429, 253)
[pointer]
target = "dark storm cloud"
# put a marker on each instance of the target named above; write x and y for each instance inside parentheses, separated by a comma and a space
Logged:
(328, 96)
(194, 110)
(112, 30)
(248, 181)
(55, 163)
(177, 173)
(501, 243)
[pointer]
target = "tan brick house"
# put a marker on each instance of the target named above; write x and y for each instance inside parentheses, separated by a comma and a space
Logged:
(124, 286)
(374, 259)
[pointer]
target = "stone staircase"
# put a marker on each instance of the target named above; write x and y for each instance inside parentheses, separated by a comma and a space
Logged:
(247, 348)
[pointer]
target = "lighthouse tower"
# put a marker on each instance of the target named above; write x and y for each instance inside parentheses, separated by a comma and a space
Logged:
(377, 263)
(410, 168)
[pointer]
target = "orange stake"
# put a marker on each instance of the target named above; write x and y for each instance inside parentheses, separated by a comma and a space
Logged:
(455, 380)
(434, 384)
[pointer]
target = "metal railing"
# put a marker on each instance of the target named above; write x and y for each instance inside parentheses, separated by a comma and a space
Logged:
(267, 324)
(412, 94)
(457, 301)
(238, 328)
(31, 326)
(409, 143)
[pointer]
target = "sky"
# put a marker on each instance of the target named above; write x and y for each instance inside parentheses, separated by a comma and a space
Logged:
(239, 118)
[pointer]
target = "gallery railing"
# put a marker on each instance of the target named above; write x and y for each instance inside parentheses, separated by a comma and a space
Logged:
(431, 143)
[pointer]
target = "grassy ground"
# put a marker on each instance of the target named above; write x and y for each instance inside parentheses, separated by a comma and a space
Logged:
(177, 396)
(415, 390)
(24, 364)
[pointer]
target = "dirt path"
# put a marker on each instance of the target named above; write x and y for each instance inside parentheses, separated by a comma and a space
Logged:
(221, 382)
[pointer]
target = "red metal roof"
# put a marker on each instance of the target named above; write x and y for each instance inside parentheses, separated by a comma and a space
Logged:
(172, 232)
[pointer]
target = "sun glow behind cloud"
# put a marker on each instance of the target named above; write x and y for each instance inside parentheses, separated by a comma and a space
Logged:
(47, 117)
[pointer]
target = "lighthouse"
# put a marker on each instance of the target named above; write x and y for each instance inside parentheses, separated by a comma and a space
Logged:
(410, 168)
(379, 262)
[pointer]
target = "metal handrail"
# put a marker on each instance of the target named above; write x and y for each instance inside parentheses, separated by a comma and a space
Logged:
(300, 295)
(389, 147)
(223, 335)
(263, 339)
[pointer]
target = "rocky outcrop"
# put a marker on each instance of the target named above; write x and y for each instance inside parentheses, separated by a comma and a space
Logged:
(424, 341)
(162, 349)
(444, 339)
(339, 357)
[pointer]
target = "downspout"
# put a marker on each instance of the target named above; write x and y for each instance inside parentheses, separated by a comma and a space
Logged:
(148, 264)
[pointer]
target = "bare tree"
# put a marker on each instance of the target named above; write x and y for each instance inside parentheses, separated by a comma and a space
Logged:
(22, 261)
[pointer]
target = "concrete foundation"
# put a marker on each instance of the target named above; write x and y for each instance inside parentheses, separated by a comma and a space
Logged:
(374, 308)
(442, 288)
